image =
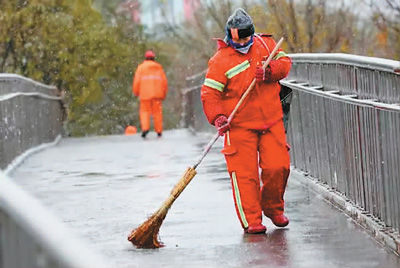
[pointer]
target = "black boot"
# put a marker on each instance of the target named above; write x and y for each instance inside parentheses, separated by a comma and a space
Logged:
(144, 133)
(159, 134)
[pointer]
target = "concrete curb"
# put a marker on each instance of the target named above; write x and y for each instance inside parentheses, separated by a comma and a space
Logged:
(386, 236)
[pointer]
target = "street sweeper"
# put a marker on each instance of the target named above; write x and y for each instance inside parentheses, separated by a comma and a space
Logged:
(255, 138)
(150, 84)
(146, 235)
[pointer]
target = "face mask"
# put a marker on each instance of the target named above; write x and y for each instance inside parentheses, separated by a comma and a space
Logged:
(242, 48)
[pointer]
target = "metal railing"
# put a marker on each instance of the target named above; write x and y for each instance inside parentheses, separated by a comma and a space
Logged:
(30, 237)
(192, 111)
(30, 114)
(31, 119)
(343, 127)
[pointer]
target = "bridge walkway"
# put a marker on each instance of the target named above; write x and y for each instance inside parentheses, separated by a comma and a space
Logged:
(102, 187)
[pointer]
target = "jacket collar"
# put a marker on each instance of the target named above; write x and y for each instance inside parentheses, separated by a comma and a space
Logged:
(220, 43)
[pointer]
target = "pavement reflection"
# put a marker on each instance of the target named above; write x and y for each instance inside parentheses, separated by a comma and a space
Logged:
(121, 180)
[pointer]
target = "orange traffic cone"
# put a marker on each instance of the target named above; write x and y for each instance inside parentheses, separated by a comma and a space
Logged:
(130, 130)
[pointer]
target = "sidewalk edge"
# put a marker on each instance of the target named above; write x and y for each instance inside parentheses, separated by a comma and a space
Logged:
(386, 236)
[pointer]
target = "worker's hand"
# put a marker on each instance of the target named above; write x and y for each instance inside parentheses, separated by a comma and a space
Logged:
(221, 124)
(263, 74)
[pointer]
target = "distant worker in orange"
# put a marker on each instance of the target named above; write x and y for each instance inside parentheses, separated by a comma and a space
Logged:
(150, 85)
(255, 138)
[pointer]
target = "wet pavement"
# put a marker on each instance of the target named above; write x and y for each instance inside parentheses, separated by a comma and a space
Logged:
(103, 187)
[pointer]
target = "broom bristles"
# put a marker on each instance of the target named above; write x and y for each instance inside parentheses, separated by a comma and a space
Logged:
(146, 235)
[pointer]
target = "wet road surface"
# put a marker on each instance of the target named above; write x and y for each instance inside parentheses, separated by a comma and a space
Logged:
(103, 187)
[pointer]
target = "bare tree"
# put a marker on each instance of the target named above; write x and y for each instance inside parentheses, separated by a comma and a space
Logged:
(313, 26)
(208, 22)
(314, 17)
(386, 17)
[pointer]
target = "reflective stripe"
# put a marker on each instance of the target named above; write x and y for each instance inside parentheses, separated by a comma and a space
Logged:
(237, 69)
(151, 77)
(280, 55)
(238, 201)
(214, 84)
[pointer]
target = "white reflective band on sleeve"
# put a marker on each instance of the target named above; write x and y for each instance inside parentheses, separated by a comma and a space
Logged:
(280, 55)
(237, 69)
(214, 84)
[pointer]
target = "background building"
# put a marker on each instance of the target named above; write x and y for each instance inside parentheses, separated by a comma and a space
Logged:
(151, 13)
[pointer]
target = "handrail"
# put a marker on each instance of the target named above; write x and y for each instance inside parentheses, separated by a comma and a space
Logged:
(348, 59)
(29, 94)
(8, 76)
(196, 75)
(351, 99)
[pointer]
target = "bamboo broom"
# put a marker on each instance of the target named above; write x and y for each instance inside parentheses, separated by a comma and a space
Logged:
(146, 235)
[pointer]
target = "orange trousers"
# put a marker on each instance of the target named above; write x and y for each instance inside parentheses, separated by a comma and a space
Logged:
(245, 152)
(152, 107)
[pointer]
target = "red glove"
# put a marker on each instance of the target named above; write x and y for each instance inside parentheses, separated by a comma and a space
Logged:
(263, 74)
(221, 124)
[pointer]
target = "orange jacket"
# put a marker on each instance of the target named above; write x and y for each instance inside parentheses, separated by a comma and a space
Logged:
(229, 75)
(150, 81)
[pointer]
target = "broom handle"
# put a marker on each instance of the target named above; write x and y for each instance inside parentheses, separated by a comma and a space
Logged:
(271, 55)
(216, 136)
(206, 149)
